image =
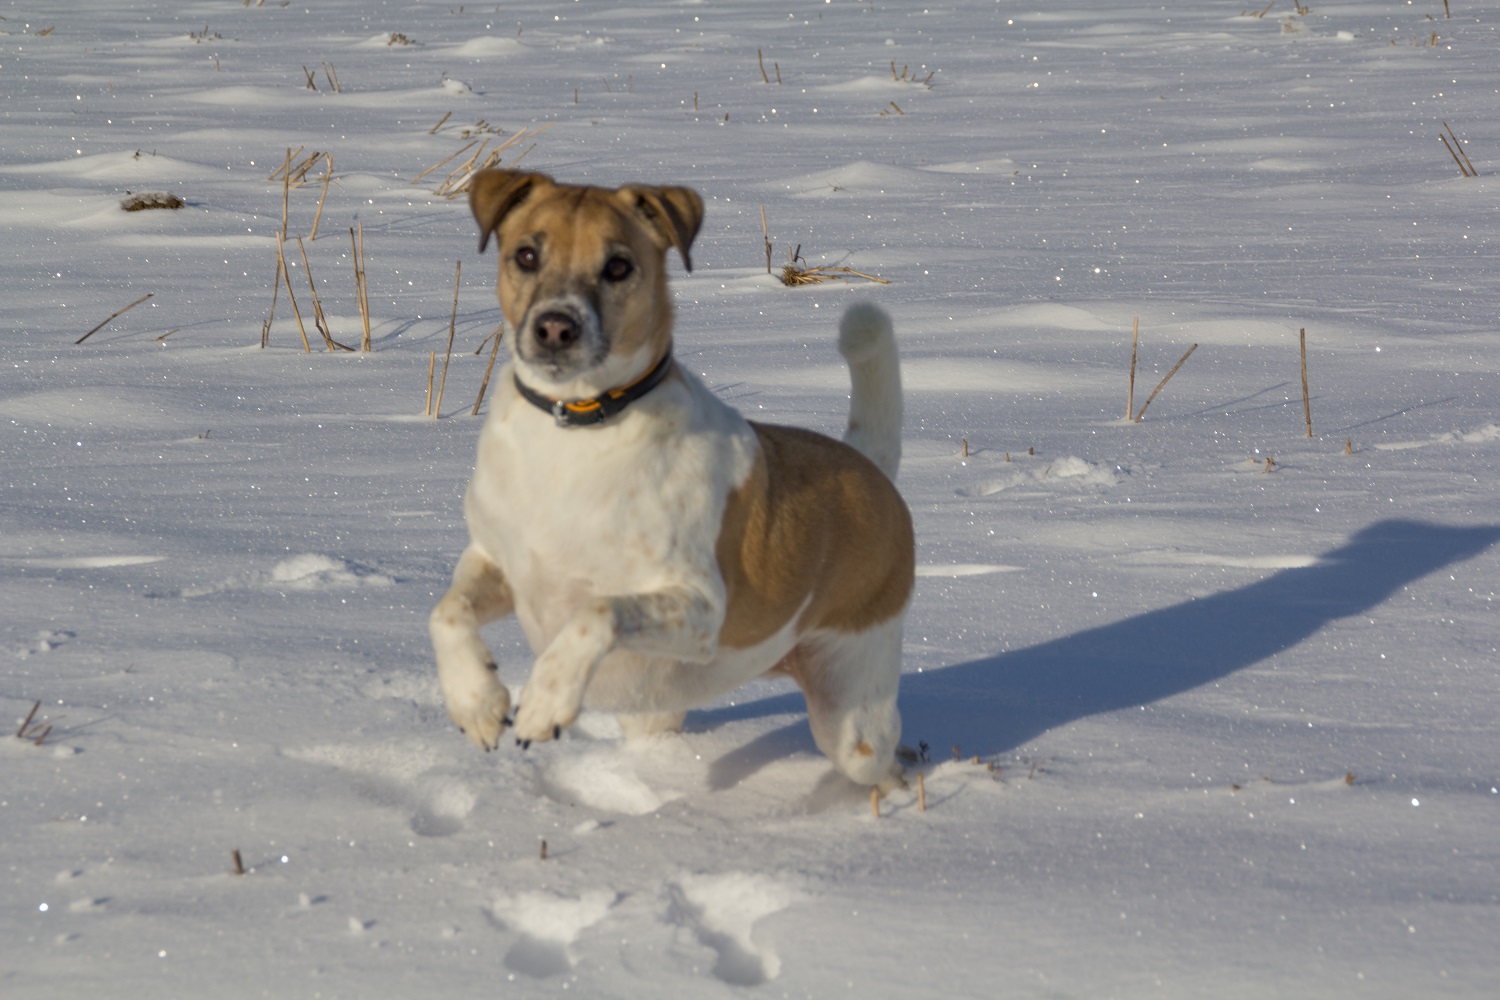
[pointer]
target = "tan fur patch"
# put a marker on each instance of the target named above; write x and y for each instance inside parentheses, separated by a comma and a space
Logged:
(815, 518)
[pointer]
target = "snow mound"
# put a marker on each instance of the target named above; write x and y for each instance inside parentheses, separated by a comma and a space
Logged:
(1068, 472)
(602, 780)
(315, 572)
(488, 47)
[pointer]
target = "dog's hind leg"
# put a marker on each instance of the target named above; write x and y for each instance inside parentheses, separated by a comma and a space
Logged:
(477, 702)
(850, 682)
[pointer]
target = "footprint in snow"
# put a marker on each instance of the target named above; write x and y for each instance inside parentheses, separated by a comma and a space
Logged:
(44, 642)
(722, 911)
(548, 924)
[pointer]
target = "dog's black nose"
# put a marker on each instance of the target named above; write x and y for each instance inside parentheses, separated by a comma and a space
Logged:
(555, 330)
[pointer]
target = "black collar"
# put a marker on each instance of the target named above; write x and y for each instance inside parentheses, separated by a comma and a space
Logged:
(588, 412)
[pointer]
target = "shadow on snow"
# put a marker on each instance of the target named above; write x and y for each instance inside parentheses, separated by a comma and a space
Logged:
(1001, 702)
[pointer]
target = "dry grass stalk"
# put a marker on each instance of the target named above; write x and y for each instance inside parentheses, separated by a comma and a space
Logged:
(1306, 403)
(457, 182)
(484, 385)
(966, 447)
(286, 192)
(319, 320)
(1135, 338)
(333, 78)
(118, 312)
(875, 801)
(286, 278)
(765, 235)
(361, 285)
(452, 328)
(792, 275)
(37, 733)
(164, 336)
(288, 165)
(239, 865)
(311, 83)
(760, 58)
(1179, 364)
(921, 793)
(434, 129)
(543, 852)
(318, 215)
(439, 163)
(431, 367)
(1465, 166)
(265, 328)
(1348, 446)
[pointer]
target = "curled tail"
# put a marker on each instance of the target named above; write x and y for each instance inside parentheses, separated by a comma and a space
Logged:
(868, 343)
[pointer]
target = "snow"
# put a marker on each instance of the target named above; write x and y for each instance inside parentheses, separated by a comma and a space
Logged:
(1194, 722)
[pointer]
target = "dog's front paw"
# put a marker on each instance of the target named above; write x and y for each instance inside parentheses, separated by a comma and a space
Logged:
(543, 714)
(481, 711)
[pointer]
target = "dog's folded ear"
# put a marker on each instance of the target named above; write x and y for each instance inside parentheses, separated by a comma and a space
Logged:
(673, 213)
(493, 193)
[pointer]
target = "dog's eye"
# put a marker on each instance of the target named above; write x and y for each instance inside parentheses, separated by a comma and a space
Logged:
(527, 259)
(617, 269)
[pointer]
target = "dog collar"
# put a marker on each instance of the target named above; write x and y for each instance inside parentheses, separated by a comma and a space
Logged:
(588, 412)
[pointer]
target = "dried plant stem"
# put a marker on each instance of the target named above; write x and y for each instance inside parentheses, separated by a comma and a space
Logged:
(319, 320)
(452, 328)
(431, 367)
(765, 234)
(282, 169)
(760, 58)
(1469, 171)
(26, 722)
(317, 216)
(875, 801)
(444, 160)
(361, 285)
(265, 328)
(1163, 382)
(286, 277)
(433, 130)
(286, 191)
(118, 312)
(542, 854)
(921, 793)
(1135, 338)
(239, 866)
(484, 385)
(1306, 402)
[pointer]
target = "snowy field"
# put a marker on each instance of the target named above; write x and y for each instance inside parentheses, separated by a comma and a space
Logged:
(1209, 705)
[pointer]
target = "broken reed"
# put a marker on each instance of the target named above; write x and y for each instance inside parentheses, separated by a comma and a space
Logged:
(457, 181)
(319, 320)
(118, 312)
(1306, 402)
(1135, 338)
(1456, 150)
(361, 284)
(37, 733)
(484, 385)
(448, 353)
(1179, 364)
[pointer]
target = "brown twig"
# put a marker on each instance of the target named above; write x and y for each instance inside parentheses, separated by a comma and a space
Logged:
(765, 235)
(318, 215)
(265, 328)
(286, 277)
(762, 60)
(361, 285)
(1135, 337)
(1470, 172)
(1163, 382)
(484, 385)
(26, 722)
(319, 320)
(875, 801)
(921, 793)
(452, 328)
(239, 866)
(1306, 403)
(286, 191)
(431, 367)
(118, 312)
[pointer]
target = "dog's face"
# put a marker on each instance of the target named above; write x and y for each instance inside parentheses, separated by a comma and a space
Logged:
(583, 280)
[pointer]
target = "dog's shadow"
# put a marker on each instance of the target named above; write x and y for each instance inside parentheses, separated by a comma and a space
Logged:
(998, 703)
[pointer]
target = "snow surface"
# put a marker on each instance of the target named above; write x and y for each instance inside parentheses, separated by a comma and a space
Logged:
(1196, 726)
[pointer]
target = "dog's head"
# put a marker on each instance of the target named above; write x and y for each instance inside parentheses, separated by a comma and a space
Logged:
(583, 280)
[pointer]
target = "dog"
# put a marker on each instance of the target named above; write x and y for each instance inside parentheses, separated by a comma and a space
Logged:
(657, 548)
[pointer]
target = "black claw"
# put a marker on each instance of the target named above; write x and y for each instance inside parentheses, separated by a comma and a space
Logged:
(557, 732)
(492, 667)
(508, 721)
(524, 744)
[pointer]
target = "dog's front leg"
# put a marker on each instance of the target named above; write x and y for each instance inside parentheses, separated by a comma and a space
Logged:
(477, 702)
(679, 624)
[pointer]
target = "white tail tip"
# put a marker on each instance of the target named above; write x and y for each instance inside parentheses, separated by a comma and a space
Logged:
(864, 331)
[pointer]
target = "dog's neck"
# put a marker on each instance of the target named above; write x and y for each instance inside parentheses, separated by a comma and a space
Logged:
(594, 410)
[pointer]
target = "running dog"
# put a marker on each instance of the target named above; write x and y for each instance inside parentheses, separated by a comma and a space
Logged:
(657, 548)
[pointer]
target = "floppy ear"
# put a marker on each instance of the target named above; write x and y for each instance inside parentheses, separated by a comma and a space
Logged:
(493, 193)
(674, 213)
